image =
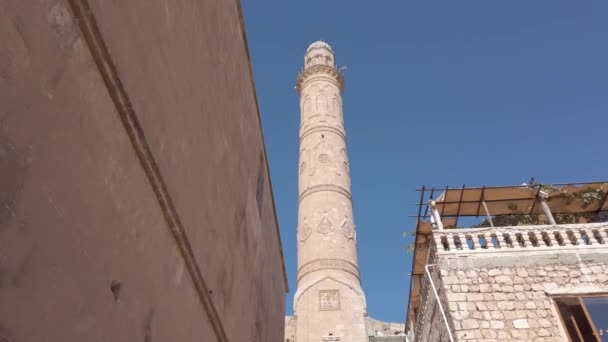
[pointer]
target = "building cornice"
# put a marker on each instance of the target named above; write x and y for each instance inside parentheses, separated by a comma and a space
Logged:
(305, 74)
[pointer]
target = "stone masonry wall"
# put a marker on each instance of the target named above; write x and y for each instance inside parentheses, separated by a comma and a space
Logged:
(514, 303)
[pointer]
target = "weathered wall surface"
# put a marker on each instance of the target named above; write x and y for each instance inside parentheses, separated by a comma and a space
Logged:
(500, 283)
(149, 218)
(514, 303)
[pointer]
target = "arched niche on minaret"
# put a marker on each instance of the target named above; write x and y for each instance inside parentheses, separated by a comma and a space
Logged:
(306, 106)
(322, 104)
(336, 106)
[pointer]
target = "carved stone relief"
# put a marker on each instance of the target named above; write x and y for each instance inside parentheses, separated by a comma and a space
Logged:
(325, 226)
(329, 299)
(324, 158)
(304, 230)
(347, 228)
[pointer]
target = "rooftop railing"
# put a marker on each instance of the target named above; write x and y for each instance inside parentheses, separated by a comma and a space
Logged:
(511, 239)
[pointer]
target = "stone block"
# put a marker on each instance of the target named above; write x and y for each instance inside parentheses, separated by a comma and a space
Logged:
(464, 335)
(545, 323)
(503, 279)
(456, 297)
(542, 313)
(499, 296)
(470, 324)
(596, 269)
(507, 288)
(474, 296)
(533, 323)
(453, 306)
(509, 314)
(521, 324)
(460, 315)
(522, 272)
(494, 272)
(549, 286)
(497, 324)
(530, 305)
(504, 305)
(497, 315)
(449, 280)
(463, 306)
(491, 305)
(491, 334)
(544, 333)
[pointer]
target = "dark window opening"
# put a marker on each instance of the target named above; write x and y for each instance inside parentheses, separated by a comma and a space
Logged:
(584, 318)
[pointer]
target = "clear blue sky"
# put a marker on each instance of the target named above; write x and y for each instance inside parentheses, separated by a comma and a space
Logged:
(437, 93)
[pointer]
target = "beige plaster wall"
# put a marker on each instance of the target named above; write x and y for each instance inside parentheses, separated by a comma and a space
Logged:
(151, 220)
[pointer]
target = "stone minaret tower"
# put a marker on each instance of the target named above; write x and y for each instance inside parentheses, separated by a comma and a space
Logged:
(329, 304)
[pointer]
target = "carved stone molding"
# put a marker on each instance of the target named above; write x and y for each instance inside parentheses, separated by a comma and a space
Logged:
(322, 128)
(320, 69)
(324, 187)
(328, 264)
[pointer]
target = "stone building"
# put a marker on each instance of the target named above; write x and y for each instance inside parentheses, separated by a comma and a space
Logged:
(534, 282)
(135, 198)
(329, 304)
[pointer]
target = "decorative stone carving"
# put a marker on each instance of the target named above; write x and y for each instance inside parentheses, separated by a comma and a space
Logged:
(324, 158)
(329, 299)
(304, 230)
(302, 167)
(347, 228)
(325, 225)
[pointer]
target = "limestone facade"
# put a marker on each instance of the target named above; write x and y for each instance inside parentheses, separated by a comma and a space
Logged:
(329, 304)
(500, 284)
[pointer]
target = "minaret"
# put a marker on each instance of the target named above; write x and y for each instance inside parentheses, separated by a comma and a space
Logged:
(329, 304)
